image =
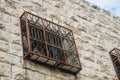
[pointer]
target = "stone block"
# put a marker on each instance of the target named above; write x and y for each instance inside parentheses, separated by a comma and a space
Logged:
(104, 19)
(10, 59)
(18, 73)
(11, 28)
(29, 75)
(5, 70)
(6, 17)
(4, 46)
(4, 36)
(15, 49)
(52, 78)
(36, 67)
(5, 78)
(15, 39)
(39, 76)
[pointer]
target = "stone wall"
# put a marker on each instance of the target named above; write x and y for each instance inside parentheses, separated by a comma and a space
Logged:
(96, 32)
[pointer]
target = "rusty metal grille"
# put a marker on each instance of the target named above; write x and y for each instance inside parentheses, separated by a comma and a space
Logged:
(115, 56)
(49, 43)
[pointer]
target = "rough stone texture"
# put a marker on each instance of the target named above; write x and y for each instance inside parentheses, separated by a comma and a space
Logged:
(96, 32)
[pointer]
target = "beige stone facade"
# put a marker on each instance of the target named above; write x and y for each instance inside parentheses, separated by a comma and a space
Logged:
(96, 32)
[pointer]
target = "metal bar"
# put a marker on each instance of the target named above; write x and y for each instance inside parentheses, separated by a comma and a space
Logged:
(28, 36)
(45, 40)
(21, 36)
(51, 38)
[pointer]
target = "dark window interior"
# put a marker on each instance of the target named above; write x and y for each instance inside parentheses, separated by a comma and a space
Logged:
(49, 43)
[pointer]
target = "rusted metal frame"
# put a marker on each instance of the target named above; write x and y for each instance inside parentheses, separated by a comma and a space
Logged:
(22, 14)
(76, 50)
(112, 54)
(114, 63)
(47, 50)
(48, 20)
(36, 21)
(112, 50)
(28, 36)
(59, 47)
(40, 55)
(52, 23)
(65, 63)
(62, 44)
(73, 58)
(117, 55)
(117, 72)
(37, 40)
(22, 36)
(36, 26)
(67, 34)
(59, 35)
(45, 41)
(54, 46)
(55, 37)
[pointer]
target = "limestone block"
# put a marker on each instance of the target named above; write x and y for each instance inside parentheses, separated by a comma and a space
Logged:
(3, 57)
(10, 59)
(4, 46)
(4, 36)
(12, 29)
(52, 78)
(104, 19)
(36, 67)
(5, 78)
(15, 20)
(2, 25)
(18, 73)
(39, 76)
(5, 69)
(37, 1)
(6, 17)
(75, 1)
(29, 75)
(15, 39)
(62, 75)
(1, 15)
(15, 49)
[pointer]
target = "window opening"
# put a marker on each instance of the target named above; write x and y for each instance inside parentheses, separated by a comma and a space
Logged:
(49, 43)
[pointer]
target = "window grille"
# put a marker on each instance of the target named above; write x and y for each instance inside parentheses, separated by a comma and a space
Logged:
(49, 43)
(115, 56)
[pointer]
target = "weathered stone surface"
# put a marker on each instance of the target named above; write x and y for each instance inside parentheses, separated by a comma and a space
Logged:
(39, 76)
(15, 49)
(18, 73)
(4, 36)
(96, 32)
(5, 69)
(36, 67)
(4, 46)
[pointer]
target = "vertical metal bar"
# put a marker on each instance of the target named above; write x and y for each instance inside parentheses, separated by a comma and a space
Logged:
(45, 39)
(117, 55)
(28, 34)
(21, 34)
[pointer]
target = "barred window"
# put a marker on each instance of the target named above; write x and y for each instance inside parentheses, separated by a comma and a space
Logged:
(49, 43)
(115, 56)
